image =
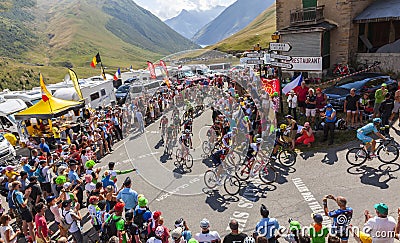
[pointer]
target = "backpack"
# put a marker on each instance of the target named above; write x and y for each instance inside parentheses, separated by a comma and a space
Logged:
(109, 229)
(63, 222)
(138, 218)
(39, 174)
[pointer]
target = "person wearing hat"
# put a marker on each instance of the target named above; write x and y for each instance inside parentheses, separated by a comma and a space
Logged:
(234, 236)
(379, 98)
(267, 226)
(317, 231)
(127, 195)
(329, 126)
(186, 233)
(142, 214)
(206, 235)
(292, 104)
(381, 227)
(294, 232)
(176, 235)
(116, 217)
(72, 217)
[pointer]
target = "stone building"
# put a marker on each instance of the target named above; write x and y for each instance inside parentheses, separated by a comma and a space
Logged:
(350, 32)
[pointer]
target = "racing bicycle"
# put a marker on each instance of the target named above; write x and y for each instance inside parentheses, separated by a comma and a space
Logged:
(386, 152)
(262, 166)
(285, 155)
(231, 183)
(185, 160)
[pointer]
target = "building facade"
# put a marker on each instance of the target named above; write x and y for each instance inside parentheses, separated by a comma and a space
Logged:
(350, 32)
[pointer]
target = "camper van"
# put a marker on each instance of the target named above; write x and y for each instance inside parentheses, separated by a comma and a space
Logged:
(9, 107)
(151, 87)
(29, 97)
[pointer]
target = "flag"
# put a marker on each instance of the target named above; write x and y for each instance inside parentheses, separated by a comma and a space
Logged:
(74, 79)
(131, 69)
(295, 83)
(103, 74)
(270, 85)
(117, 74)
(96, 59)
(45, 93)
(164, 66)
(152, 70)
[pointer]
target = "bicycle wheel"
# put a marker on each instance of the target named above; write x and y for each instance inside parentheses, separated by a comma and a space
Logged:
(242, 171)
(178, 156)
(388, 153)
(232, 185)
(188, 161)
(206, 147)
(233, 159)
(356, 156)
(210, 179)
(267, 174)
(287, 158)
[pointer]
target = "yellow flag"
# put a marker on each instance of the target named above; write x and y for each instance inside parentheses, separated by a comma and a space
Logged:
(45, 93)
(74, 80)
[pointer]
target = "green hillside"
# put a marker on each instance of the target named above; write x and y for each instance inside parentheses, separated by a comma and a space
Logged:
(258, 31)
(49, 35)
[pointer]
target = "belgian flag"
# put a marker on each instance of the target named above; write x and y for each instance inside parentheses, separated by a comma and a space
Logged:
(96, 59)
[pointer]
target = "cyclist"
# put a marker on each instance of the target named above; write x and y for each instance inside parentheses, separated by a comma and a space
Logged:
(163, 126)
(188, 124)
(175, 112)
(227, 140)
(177, 124)
(186, 141)
(218, 159)
(252, 152)
(170, 130)
(282, 137)
(366, 130)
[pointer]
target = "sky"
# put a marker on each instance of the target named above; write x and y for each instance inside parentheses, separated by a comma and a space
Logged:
(165, 9)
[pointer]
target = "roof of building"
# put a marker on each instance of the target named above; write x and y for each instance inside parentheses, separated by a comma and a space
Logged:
(323, 26)
(381, 10)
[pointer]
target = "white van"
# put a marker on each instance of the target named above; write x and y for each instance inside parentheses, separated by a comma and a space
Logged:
(29, 97)
(8, 108)
(137, 89)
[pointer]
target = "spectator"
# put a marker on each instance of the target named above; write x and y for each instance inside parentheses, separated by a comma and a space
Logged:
(180, 223)
(176, 236)
(351, 108)
(311, 102)
(292, 126)
(73, 218)
(234, 236)
(321, 100)
(166, 235)
(7, 232)
(206, 235)
(385, 110)
(292, 104)
(341, 217)
(128, 196)
(379, 98)
(307, 135)
(329, 126)
(317, 231)
(302, 92)
(131, 228)
(363, 106)
(396, 108)
(381, 227)
(44, 147)
(157, 238)
(21, 203)
(266, 226)
(42, 231)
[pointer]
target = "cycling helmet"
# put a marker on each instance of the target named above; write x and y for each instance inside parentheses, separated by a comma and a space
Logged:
(264, 211)
(283, 126)
(187, 131)
(289, 117)
(259, 140)
(377, 120)
(179, 223)
(249, 239)
(159, 231)
(89, 164)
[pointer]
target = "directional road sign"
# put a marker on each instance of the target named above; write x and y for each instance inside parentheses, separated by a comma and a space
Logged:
(255, 54)
(255, 61)
(281, 57)
(282, 65)
(273, 46)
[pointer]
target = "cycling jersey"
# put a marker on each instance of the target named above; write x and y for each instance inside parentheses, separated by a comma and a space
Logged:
(185, 139)
(252, 151)
(226, 139)
(163, 122)
(367, 129)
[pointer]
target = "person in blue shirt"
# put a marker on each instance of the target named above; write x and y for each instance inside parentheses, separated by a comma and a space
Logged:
(106, 181)
(127, 195)
(73, 177)
(341, 217)
(362, 135)
(266, 226)
(330, 123)
(44, 147)
(27, 167)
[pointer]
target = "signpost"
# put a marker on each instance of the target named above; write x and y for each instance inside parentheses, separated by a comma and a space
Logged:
(255, 61)
(282, 65)
(273, 46)
(255, 54)
(281, 57)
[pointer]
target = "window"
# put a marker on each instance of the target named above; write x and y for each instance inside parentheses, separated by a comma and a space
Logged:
(94, 96)
(103, 92)
(309, 3)
(136, 89)
(375, 82)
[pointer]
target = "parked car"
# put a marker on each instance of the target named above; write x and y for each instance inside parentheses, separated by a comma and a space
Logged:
(7, 151)
(363, 82)
(130, 80)
(122, 93)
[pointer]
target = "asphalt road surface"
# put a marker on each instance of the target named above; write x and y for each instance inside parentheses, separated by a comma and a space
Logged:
(297, 193)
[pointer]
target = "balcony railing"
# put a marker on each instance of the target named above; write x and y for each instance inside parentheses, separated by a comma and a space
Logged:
(305, 16)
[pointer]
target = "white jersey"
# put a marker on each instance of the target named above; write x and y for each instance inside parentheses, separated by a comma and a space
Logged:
(153, 240)
(210, 237)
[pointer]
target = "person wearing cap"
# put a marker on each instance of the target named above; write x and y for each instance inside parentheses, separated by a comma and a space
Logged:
(294, 232)
(234, 235)
(317, 231)
(379, 98)
(329, 126)
(307, 135)
(206, 235)
(131, 228)
(127, 195)
(73, 218)
(267, 226)
(385, 110)
(186, 233)
(292, 104)
(341, 216)
(176, 235)
(381, 227)
(119, 221)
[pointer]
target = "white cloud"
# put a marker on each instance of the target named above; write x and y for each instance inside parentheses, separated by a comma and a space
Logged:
(165, 9)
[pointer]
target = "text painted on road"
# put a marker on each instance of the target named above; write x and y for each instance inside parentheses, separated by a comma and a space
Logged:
(310, 199)
(168, 194)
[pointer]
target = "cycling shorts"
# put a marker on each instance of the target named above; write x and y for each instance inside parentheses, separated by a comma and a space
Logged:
(365, 139)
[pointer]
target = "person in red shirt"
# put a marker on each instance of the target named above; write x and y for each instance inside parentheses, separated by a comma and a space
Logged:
(301, 93)
(42, 231)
